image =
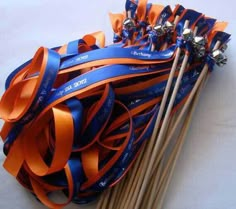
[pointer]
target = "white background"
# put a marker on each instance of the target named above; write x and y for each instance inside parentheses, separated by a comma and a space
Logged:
(205, 176)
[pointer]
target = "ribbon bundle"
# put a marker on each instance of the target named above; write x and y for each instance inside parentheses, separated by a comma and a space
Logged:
(78, 116)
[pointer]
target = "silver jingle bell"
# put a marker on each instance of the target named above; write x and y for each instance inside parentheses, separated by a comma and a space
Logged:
(168, 27)
(129, 23)
(159, 29)
(223, 61)
(188, 34)
(200, 52)
(223, 47)
(199, 41)
(219, 57)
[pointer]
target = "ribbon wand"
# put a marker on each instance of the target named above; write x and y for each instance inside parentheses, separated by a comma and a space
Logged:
(95, 112)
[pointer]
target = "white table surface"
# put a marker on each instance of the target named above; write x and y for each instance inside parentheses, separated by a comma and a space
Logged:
(205, 176)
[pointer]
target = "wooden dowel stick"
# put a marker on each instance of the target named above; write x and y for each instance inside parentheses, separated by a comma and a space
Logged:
(128, 191)
(195, 31)
(106, 200)
(169, 163)
(129, 14)
(129, 201)
(181, 114)
(164, 177)
(152, 195)
(102, 200)
(203, 78)
(114, 195)
(148, 193)
(187, 103)
(161, 190)
(117, 191)
(182, 137)
(158, 171)
(159, 195)
(217, 45)
(153, 138)
(186, 24)
(163, 127)
(176, 20)
(162, 131)
(152, 141)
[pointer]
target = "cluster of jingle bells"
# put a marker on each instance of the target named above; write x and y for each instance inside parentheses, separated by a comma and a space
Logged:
(167, 29)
